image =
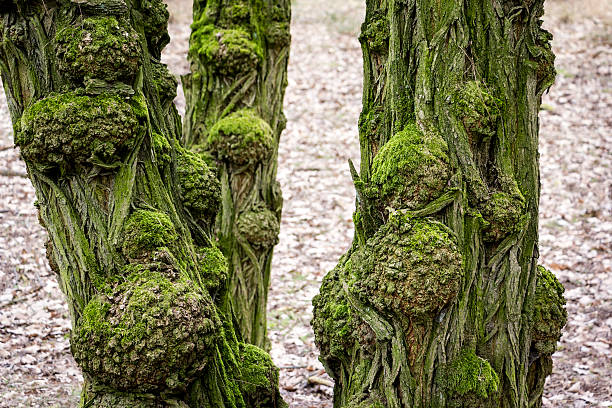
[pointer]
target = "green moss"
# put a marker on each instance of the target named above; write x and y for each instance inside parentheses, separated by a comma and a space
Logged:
(213, 267)
(549, 314)
(155, 21)
(410, 170)
(469, 380)
(226, 51)
(156, 333)
(408, 268)
(164, 82)
(241, 138)
(199, 188)
(258, 379)
(146, 231)
(375, 32)
(502, 212)
(477, 108)
(259, 226)
(162, 148)
(236, 14)
(333, 321)
(70, 128)
(100, 47)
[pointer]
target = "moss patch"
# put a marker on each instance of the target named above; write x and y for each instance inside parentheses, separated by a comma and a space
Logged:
(161, 147)
(375, 32)
(156, 333)
(408, 268)
(549, 314)
(469, 380)
(164, 82)
(226, 51)
(66, 129)
(199, 188)
(100, 47)
(213, 267)
(477, 108)
(333, 321)
(259, 226)
(410, 170)
(146, 231)
(258, 378)
(241, 138)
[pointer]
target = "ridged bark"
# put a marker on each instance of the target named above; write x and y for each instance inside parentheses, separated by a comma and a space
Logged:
(128, 210)
(440, 302)
(239, 51)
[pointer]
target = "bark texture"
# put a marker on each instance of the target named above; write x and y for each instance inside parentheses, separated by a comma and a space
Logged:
(239, 51)
(440, 302)
(128, 210)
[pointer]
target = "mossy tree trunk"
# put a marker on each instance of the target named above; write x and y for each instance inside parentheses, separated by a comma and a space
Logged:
(128, 210)
(239, 51)
(440, 302)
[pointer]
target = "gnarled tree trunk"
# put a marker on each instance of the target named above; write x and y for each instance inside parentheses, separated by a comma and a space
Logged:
(239, 51)
(127, 209)
(440, 302)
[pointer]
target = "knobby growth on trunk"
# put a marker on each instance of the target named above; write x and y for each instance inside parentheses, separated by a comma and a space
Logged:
(440, 301)
(239, 51)
(128, 210)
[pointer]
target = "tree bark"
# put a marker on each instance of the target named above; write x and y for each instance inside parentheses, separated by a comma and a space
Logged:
(239, 52)
(128, 210)
(440, 302)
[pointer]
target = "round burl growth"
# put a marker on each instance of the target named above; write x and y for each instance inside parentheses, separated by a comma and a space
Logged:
(477, 108)
(469, 381)
(99, 47)
(259, 226)
(503, 213)
(549, 314)
(199, 188)
(148, 334)
(333, 322)
(146, 231)
(258, 378)
(241, 138)
(155, 21)
(227, 52)
(409, 267)
(67, 129)
(410, 170)
(213, 267)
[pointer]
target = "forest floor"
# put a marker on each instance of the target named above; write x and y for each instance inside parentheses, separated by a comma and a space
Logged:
(322, 105)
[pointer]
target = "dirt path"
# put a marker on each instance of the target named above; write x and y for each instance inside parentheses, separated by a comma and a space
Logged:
(322, 106)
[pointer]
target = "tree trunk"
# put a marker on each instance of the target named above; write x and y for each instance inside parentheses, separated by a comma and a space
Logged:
(239, 52)
(440, 302)
(127, 209)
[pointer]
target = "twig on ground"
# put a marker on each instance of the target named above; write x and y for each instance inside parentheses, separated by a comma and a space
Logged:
(319, 380)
